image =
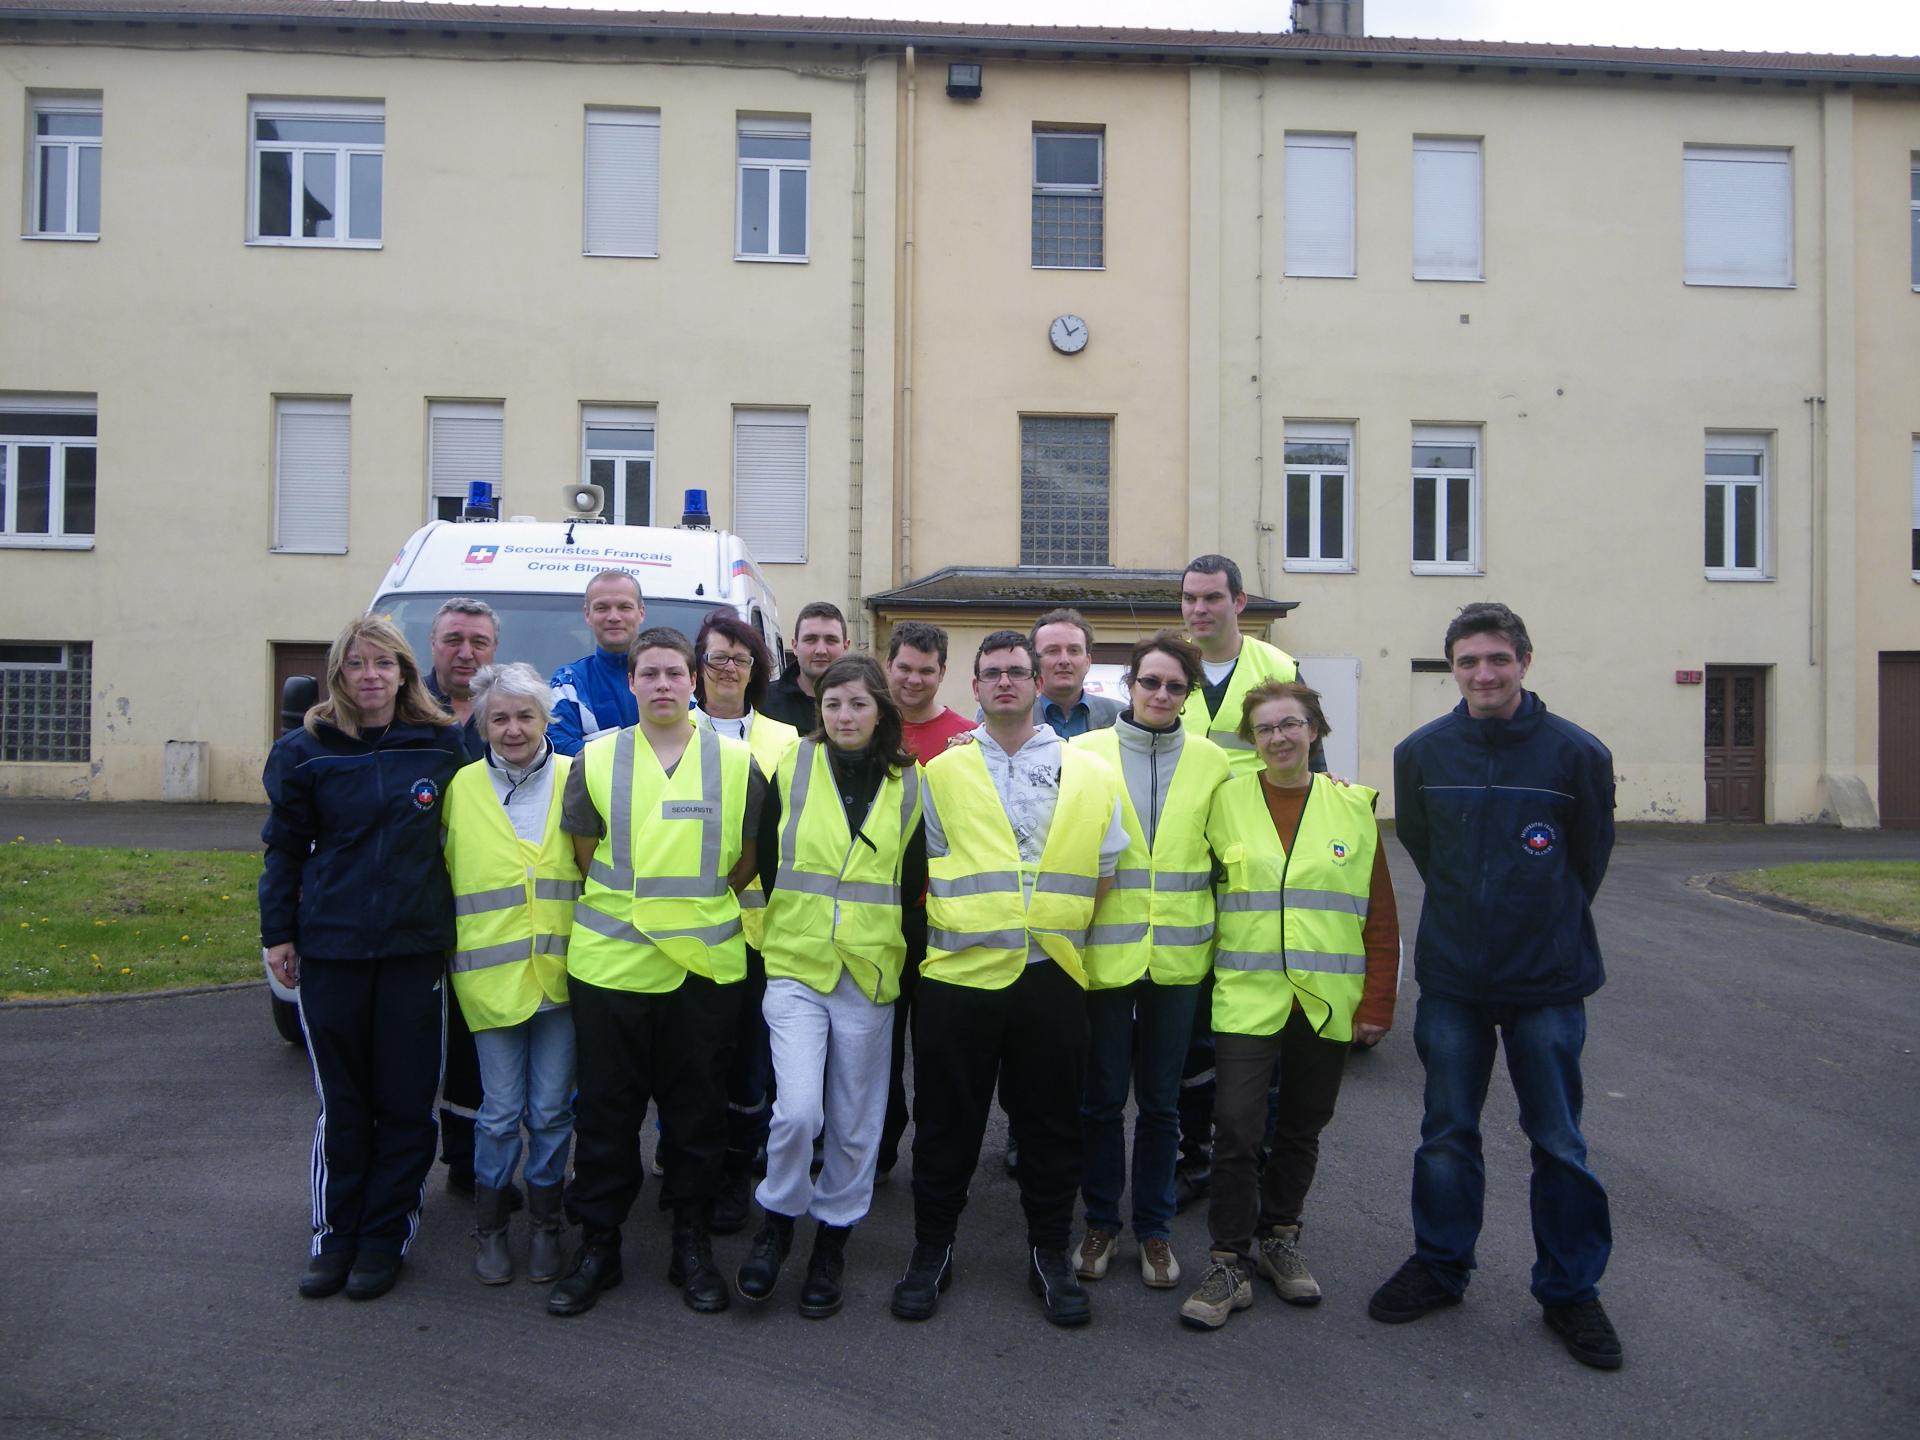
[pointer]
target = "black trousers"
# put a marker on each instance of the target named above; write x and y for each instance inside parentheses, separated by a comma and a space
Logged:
(1310, 1072)
(460, 1094)
(895, 1125)
(750, 1075)
(672, 1048)
(1030, 1037)
(1197, 1085)
(374, 1033)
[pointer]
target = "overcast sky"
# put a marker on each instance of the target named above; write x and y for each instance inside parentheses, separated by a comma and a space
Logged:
(1860, 27)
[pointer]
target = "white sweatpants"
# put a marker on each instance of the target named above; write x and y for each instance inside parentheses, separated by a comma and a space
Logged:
(830, 1064)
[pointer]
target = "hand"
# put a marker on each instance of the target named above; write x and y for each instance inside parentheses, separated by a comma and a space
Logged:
(965, 737)
(1367, 1035)
(284, 961)
(1342, 780)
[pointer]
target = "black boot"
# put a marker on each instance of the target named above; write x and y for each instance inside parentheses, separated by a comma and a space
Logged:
(820, 1295)
(1050, 1276)
(733, 1206)
(929, 1271)
(547, 1209)
(492, 1262)
(595, 1268)
(771, 1246)
(701, 1284)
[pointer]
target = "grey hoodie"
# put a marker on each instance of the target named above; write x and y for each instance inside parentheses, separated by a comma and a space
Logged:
(1147, 761)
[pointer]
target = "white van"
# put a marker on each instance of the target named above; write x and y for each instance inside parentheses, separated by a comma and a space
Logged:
(534, 573)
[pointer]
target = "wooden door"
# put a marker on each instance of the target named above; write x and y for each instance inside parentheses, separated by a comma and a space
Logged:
(1900, 739)
(1736, 743)
(293, 660)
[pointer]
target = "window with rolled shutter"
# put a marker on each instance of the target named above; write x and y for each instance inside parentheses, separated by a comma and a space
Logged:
(1319, 198)
(1446, 210)
(623, 183)
(1739, 216)
(311, 476)
(770, 483)
(463, 445)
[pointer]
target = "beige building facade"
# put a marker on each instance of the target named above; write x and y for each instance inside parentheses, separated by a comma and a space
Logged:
(1629, 341)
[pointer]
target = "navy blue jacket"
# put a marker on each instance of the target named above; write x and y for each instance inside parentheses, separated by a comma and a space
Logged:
(1510, 824)
(353, 866)
(590, 695)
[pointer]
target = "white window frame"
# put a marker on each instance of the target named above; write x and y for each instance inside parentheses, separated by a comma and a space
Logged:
(762, 534)
(321, 491)
(1311, 432)
(1445, 478)
(1306, 194)
(442, 488)
(342, 153)
(629, 417)
(1915, 538)
(1717, 206)
(72, 146)
(1437, 175)
(45, 666)
(55, 536)
(1742, 443)
(1098, 188)
(781, 128)
(620, 189)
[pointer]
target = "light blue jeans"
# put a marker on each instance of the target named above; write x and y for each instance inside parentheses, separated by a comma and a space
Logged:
(526, 1072)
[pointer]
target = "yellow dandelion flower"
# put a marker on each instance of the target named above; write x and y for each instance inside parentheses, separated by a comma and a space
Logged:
(126, 970)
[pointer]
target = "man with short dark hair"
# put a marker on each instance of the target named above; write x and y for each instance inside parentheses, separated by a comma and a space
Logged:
(1507, 811)
(591, 694)
(1064, 642)
(819, 639)
(1211, 599)
(1023, 835)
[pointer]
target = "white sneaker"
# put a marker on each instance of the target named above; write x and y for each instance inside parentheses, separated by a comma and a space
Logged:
(1157, 1265)
(1091, 1258)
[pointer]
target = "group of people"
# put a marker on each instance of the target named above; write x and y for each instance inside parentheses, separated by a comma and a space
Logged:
(664, 876)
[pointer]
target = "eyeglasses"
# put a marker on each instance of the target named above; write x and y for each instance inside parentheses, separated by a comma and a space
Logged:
(1153, 684)
(1292, 725)
(1012, 672)
(727, 662)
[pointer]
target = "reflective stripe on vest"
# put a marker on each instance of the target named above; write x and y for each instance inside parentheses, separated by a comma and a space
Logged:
(979, 918)
(1257, 662)
(656, 904)
(836, 895)
(510, 939)
(770, 740)
(1158, 919)
(1292, 922)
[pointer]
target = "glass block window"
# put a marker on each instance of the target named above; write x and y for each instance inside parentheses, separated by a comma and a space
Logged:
(1069, 200)
(1065, 486)
(46, 701)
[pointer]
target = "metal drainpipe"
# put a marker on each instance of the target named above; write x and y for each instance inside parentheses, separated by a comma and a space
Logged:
(906, 334)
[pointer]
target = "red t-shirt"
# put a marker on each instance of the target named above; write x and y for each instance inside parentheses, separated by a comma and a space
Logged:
(928, 740)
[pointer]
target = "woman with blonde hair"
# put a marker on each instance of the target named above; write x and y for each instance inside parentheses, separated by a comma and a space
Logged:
(356, 911)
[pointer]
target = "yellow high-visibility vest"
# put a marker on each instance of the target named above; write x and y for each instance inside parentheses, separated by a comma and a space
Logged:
(1258, 661)
(512, 902)
(836, 897)
(979, 917)
(1158, 917)
(1292, 922)
(656, 905)
(771, 741)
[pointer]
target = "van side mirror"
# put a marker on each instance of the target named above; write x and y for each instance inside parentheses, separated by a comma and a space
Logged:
(298, 695)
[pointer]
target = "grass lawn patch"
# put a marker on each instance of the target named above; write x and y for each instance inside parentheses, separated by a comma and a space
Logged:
(81, 921)
(1886, 892)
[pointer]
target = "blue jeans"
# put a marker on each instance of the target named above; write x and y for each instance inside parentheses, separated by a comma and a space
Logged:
(1151, 1054)
(1572, 1232)
(526, 1070)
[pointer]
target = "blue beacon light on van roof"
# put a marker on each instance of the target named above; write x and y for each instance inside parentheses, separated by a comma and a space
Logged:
(480, 502)
(695, 516)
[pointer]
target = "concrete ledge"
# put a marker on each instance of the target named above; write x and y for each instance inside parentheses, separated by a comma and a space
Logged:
(61, 1002)
(1719, 886)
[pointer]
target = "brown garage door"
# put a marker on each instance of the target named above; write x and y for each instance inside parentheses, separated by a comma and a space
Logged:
(1900, 739)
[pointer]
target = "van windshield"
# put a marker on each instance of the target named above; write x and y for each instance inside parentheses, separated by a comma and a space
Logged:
(546, 631)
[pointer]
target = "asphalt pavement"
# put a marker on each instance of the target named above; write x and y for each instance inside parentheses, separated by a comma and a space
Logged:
(1753, 1107)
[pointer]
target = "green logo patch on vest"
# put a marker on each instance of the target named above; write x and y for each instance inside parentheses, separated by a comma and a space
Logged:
(1338, 850)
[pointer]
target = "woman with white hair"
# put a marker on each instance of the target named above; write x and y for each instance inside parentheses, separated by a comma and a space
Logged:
(514, 884)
